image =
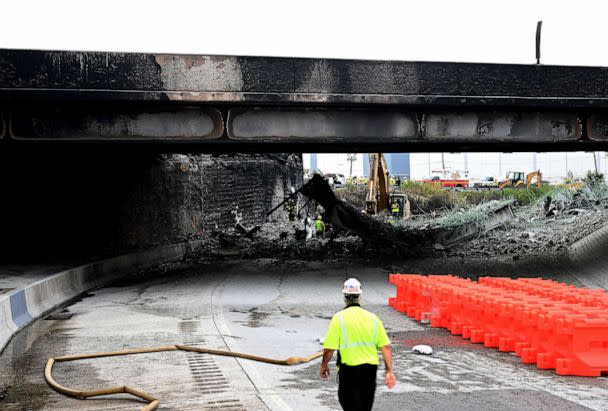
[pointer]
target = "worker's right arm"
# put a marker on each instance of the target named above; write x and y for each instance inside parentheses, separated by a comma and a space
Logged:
(389, 378)
(385, 346)
(327, 354)
(330, 344)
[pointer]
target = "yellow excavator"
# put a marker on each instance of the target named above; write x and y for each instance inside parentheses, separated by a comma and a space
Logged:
(516, 179)
(378, 197)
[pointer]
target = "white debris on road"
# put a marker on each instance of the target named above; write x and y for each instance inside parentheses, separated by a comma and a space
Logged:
(422, 349)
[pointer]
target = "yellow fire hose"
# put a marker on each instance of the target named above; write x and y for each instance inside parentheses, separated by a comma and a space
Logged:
(153, 402)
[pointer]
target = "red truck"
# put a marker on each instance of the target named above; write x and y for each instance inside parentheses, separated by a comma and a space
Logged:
(448, 182)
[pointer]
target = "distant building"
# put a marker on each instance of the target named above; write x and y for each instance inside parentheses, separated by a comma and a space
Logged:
(397, 163)
(420, 165)
(552, 165)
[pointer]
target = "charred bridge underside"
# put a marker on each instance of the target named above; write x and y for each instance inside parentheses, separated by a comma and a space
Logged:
(181, 103)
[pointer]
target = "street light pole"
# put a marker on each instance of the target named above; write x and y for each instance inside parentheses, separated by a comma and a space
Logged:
(351, 157)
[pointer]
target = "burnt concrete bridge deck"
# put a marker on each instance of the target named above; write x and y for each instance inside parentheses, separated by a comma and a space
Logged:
(230, 103)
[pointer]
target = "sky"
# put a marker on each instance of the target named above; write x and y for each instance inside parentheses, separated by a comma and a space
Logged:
(574, 33)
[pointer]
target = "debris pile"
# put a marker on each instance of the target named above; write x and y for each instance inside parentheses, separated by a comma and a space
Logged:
(546, 227)
(498, 227)
(575, 202)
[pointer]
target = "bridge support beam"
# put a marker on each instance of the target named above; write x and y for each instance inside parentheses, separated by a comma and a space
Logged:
(502, 126)
(203, 128)
(103, 123)
(313, 123)
(597, 126)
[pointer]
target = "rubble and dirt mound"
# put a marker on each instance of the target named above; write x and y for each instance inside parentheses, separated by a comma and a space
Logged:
(353, 194)
(547, 226)
(346, 218)
(542, 236)
(544, 224)
(353, 231)
(283, 240)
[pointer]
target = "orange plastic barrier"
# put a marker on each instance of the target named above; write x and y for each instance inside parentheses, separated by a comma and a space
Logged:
(547, 323)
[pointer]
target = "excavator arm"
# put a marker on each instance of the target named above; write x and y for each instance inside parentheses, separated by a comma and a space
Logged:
(376, 198)
(504, 184)
(530, 177)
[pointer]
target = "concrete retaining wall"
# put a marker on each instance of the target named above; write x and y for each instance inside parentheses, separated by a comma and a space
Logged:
(138, 200)
(589, 257)
(21, 307)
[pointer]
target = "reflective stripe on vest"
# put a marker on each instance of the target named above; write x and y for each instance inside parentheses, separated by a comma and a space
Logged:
(344, 344)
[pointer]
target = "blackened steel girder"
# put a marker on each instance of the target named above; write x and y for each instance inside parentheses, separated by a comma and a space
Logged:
(232, 103)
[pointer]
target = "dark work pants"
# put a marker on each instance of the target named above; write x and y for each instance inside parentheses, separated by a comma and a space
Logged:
(357, 387)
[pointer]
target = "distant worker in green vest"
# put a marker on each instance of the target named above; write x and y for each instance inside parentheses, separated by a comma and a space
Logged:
(357, 334)
(319, 226)
(291, 209)
(395, 209)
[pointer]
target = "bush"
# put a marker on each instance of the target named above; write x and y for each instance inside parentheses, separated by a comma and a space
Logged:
(528, 196)
(521, 196)
(421, 189)
(478, 197)
(592, 178)
(350, 186)
(429, 197)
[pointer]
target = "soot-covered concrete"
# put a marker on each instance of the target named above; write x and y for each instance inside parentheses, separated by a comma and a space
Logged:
(100, 202)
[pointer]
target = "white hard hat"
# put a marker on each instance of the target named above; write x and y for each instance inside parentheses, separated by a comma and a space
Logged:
(352, 286)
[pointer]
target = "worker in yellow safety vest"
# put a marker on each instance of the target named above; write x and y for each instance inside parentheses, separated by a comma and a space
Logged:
(357, 334)
(395, 209)
(319, 226)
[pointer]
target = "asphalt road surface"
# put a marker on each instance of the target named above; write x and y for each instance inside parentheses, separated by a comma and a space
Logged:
(267, 308)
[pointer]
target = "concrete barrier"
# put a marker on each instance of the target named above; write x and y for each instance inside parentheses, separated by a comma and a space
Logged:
(21, 307)
(7, 326)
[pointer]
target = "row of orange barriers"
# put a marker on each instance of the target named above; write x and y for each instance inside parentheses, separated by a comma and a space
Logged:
(547, 323)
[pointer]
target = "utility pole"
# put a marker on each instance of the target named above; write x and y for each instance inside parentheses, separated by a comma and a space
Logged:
(351, 158)
(442, 163)
(539, 26)
(595, 161)
(500, 164)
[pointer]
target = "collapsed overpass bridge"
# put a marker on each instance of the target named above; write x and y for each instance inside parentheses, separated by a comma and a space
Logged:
(80, 183)
(198, 103)
(102, 153)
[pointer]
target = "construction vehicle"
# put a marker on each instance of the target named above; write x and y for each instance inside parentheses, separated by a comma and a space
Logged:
(516, 179)
(448, 179)
(487, 183)
(378, 197)
(403, 203)
(572, 184)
